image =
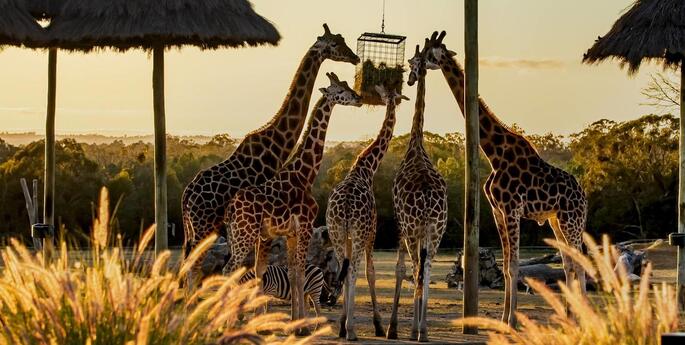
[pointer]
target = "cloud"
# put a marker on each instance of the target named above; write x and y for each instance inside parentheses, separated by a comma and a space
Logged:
(502, 62)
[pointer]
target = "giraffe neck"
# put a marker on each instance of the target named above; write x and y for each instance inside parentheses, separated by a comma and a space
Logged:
(417, 124)
(288, 122)
(306, 159)
(494, 135)
(369, 160)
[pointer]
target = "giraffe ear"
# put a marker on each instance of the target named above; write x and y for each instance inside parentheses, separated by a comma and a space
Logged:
(451, 53)
(405, 98)
(323, 90)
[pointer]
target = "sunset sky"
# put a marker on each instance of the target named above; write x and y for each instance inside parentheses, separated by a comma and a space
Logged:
(530, 73)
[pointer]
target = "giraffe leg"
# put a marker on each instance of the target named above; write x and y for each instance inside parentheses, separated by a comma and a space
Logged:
(513, 228)
(427, 255)
(400, 271)
(351, 282)
(338, 237)
(261, 254)
(292, 276)
(371, 278)
(304, 234)
(504, 239)
(569, 230)
(414, 255)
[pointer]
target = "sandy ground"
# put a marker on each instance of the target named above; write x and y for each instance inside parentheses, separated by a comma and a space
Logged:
(446, 304)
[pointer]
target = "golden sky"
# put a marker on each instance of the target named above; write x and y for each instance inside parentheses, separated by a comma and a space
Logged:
(530, 72)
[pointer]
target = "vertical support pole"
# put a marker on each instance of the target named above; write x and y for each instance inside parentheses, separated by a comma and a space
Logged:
(681, 193)
(49, 182)
(472, 197)
(161, 242)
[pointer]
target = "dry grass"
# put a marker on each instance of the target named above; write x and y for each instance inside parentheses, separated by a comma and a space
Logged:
(621, 314)
(110, 299)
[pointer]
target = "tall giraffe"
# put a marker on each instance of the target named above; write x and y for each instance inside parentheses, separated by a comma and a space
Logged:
(284, 205)
(351, 218)
(521, 185)
(420, 202)
(263, 151)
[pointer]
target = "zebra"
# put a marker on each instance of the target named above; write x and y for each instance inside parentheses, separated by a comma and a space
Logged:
(275, 283)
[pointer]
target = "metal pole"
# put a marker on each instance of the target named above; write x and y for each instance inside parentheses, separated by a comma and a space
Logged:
(49, 182)
(161, 242)
(472, 197)
(681, 193)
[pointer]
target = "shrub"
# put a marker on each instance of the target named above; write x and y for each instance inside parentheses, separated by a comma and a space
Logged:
(622, 313)
(112, 296)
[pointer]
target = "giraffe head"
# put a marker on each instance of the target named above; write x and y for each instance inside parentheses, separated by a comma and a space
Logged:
(340, 93)
(390, 95)
(333, 46)
(418, 64)
(437, 53)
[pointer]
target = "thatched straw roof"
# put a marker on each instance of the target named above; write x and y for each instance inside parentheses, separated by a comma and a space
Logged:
(16, 24)
(125, 24)
(650, 29)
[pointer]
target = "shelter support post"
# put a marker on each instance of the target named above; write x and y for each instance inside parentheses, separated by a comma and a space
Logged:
(161, 242)
(49, 180)
(472, 197)
(681, 193)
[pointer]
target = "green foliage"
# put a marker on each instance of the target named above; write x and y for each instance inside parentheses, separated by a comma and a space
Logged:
(628, 170)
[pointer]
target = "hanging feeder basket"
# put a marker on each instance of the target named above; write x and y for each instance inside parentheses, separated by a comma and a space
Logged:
(382, 63)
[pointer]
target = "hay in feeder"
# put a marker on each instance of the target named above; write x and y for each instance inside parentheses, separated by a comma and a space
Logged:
(369, 75)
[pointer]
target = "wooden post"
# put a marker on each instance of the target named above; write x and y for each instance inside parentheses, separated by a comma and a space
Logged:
(472, 185)
(49, 182)
(681, 193)
(161, 242)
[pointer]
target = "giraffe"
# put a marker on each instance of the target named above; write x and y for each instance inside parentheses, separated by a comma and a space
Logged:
(284, 205)
(262, 152)
(521, 185)
(351, 219)
(420, 203)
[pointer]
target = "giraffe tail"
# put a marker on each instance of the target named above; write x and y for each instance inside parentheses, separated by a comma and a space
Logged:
(424, 252)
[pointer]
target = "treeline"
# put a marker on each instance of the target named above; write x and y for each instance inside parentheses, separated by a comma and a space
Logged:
(628, 169)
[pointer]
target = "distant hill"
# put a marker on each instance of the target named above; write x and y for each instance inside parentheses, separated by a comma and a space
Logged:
(19, 139)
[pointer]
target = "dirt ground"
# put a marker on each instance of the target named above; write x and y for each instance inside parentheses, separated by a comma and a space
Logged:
(446, 304)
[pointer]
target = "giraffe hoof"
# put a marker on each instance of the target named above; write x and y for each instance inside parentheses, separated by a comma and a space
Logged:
(379, 329)
(303, 332)
(351, 336)
(392, 333)
(423, 338)
(342, 333)
(414, 336)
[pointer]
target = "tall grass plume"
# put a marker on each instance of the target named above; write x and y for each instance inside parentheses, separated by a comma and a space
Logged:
(115, 296)
(622, 312)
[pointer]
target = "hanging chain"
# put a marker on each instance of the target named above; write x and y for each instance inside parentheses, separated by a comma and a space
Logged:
(383, 20)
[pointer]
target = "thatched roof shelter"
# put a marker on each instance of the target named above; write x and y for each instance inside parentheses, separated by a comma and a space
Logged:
(653, 30)
(155, 25)
(17, 27)
(125, 24)
(649, 30)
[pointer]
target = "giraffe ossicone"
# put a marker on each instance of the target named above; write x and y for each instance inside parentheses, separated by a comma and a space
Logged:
(284, 204)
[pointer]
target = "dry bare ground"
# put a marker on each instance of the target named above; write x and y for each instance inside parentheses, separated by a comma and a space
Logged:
(446, 304)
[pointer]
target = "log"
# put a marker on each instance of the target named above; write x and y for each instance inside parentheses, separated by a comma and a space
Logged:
(541, 272)
(546, 259)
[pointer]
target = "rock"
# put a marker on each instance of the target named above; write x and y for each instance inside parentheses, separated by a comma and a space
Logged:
(490, 275)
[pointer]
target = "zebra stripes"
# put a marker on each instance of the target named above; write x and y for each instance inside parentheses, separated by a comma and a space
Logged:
(275, 283)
